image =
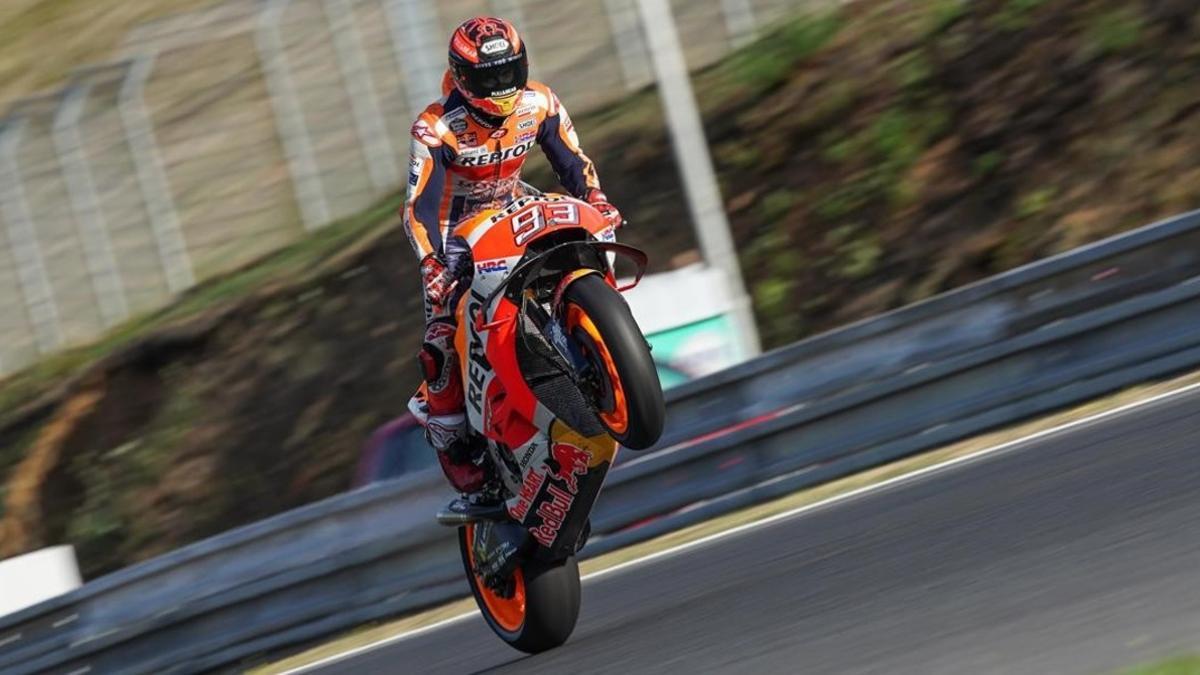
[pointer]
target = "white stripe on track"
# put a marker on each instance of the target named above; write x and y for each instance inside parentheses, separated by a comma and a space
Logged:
(791, 513)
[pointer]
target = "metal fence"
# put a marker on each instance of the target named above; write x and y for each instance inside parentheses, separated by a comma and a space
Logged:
(222, 134)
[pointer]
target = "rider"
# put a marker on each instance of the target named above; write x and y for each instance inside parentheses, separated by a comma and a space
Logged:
(467, 152)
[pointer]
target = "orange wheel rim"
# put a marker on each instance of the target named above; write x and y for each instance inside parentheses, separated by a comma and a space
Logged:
(617, 419)
(509, 613)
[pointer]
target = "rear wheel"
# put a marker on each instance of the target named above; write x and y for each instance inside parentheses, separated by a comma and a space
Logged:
(623, 383)
(539, 608)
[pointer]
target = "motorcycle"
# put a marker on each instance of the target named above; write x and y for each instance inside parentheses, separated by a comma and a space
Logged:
(556, 374)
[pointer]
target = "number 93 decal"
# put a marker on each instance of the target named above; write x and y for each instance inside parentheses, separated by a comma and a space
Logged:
(528, 223)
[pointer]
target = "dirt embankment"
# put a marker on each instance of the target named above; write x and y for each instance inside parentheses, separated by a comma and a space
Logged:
(869, 158)
(248, 410)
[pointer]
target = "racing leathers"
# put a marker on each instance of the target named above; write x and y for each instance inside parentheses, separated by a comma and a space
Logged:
(461, 163)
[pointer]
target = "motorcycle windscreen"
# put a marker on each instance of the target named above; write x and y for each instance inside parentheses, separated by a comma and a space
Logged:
(557, 496)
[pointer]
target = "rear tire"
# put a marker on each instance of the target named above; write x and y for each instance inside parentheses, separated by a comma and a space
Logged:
(629, 403)
(551, 601)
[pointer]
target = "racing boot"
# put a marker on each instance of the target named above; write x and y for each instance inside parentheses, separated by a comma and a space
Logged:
(446, 433)
(446, 424)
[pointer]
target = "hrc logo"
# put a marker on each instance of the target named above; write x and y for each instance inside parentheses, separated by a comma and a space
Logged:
(491, 266)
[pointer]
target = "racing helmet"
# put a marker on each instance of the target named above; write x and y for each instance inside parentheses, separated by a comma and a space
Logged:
(488, 65)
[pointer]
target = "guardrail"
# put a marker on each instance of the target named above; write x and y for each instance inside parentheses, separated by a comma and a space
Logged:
(967, 318)
(1044, 336)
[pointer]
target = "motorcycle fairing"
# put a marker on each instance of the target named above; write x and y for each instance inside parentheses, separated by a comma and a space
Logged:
(552, 461)
(558, 492)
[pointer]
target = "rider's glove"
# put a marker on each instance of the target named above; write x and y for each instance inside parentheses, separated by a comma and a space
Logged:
(437, 279)
(441, 272)
(600, 201)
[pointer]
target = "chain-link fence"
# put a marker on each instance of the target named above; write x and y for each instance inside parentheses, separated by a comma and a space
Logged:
(223, 134)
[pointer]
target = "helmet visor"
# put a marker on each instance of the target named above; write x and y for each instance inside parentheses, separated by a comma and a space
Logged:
(496, 80)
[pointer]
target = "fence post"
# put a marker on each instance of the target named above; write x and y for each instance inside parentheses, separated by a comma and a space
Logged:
(81, 190)
(23, 243)
(630, 46)
(695, 164)
(416, 41)
(739, 22)
(289, 117)
(356, 76)
(152, 176)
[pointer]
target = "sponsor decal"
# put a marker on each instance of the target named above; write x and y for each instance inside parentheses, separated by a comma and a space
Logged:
(458, 125)
(526, 109)
(479, 159)
(468, 138)
(423, 133)
(499, 133)
(526, 124)
(553, 512)
(512, 208)
(464, 46)
(479, 367)
(488, 190)
(494, 46)
(527, 136)
(572, 462)
(528, 454)
(528, 492)
(492, 267)
(416, 163)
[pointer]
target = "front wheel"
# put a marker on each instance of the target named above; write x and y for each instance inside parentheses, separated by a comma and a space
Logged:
(537, 611)
(623, 383)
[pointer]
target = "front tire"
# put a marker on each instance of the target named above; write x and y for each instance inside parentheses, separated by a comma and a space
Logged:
(543, 608)
(626, 393)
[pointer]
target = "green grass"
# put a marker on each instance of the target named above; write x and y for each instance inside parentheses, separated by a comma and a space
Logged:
(1035, 202)
(776, 205)
(771, 60)
(1017, 14)
(1181, 665)
(986, 164)
(1114, 32)
(945, 13)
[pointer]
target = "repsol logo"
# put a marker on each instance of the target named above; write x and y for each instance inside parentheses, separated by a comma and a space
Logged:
(485, 159)
(478, 368)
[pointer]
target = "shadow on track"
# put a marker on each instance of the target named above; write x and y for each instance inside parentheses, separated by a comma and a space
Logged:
(501, 666)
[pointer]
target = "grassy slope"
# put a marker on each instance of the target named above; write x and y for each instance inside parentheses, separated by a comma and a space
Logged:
(891, 150)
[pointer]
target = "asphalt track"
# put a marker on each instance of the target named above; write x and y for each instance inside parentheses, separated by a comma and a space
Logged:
(1074, 553)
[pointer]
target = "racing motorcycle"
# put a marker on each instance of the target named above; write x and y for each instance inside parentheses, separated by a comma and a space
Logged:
(556, 375)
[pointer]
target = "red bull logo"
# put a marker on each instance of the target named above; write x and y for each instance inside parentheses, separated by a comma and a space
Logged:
(553, 512)
(572, 463)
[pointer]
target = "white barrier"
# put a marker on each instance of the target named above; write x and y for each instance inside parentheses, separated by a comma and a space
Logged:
(31, 578)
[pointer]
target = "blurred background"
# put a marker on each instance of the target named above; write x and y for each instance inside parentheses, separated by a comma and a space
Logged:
(207, 305)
